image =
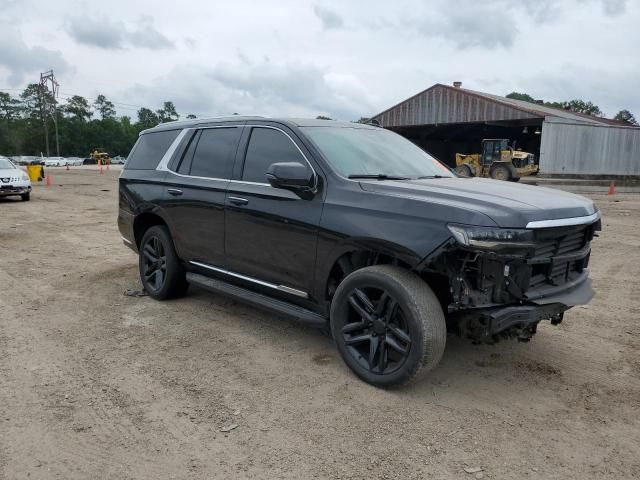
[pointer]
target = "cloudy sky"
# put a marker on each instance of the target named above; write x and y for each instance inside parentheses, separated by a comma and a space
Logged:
(344, 59)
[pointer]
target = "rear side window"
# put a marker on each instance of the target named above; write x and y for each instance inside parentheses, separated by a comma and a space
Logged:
(150, 149)
(267, 146)
(215, 152)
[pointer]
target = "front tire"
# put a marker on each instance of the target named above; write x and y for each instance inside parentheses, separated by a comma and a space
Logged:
(161, 272)
(465, 170)
(501, 172)
(388, 325)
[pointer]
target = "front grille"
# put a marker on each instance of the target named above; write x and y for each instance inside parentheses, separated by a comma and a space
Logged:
(553, 262)
(563, 244)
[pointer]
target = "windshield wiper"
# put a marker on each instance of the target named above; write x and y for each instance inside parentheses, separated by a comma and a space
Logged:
(431, 176)
(380, 176)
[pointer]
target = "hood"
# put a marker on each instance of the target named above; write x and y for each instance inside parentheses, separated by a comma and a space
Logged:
(508, 204)
(10, 172)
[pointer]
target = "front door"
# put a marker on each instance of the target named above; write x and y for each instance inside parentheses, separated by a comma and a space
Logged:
(271, 234)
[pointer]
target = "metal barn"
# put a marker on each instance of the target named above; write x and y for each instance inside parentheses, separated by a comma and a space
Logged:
(445, 120)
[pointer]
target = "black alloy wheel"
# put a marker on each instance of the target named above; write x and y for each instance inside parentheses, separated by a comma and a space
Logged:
(377, 335)
(154, 263)
(387, 324)
(161, 271)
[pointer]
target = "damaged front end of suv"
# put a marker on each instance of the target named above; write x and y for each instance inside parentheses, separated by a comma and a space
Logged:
(504, 281)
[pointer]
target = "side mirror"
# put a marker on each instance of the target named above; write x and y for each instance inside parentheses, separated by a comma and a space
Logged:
(290, 176)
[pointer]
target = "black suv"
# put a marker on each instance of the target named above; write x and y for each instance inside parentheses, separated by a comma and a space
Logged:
(355, 229)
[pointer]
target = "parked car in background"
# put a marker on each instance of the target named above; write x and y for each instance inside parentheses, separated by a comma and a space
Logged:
(13, 180)
(88, 161)
(74, 161)
(355, 229)
(55, 162)
(118, 160)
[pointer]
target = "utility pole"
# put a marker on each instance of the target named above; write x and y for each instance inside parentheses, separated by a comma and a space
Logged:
(45, 109)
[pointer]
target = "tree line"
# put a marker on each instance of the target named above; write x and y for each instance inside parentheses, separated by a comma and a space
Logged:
(577, 106)
(82, 125)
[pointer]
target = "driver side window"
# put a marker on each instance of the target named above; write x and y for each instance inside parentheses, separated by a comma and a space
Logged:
(267, 146)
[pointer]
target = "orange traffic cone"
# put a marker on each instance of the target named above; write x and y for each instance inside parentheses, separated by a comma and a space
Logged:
(47, 181)
(100, 169)
(67, 167)
(107, 167)
(612, 188)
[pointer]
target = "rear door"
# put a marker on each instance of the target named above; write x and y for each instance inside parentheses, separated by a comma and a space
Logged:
(271, 233)
(195, 197)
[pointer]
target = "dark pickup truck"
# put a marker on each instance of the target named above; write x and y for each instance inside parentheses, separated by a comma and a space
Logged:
(353, 229)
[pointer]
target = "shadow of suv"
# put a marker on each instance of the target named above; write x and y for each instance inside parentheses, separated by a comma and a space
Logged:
(355, 229)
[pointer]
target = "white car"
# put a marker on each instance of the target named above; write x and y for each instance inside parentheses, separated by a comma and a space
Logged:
(13, 181)
(55, 162)
(74, 161)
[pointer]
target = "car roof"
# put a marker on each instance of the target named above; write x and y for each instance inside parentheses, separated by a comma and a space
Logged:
(293, 122)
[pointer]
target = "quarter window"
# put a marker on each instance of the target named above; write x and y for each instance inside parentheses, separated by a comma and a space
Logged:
(215, 152)
(150, 149)
(267, 146)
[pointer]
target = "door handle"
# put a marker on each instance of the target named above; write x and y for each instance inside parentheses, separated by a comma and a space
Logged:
(238, 200)
(174, 191)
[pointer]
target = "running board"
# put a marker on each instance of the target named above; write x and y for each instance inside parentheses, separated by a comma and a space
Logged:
(244, 295)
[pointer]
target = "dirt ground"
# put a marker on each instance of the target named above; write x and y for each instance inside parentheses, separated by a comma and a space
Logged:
(95, 384)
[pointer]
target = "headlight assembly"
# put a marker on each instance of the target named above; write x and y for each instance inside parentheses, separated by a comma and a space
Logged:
(489, 238)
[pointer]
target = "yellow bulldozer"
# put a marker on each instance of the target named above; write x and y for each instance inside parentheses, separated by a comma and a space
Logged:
(100, 156)
(498, 160)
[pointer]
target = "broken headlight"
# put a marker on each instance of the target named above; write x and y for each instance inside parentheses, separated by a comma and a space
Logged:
(490, 238)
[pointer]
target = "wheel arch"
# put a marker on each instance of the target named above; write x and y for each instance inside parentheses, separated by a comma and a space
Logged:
(145, 220)
(358, 253)
(352, 256)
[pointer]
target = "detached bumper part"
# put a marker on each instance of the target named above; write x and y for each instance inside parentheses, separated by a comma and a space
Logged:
(520, 321)
(578, 292)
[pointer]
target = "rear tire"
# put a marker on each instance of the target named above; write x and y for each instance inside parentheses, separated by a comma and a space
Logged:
(388, 325)
(26, 197)
(161, 272)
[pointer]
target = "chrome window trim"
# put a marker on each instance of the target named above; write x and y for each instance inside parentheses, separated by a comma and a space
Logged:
(565, 222)
(166, 158)
(163, 166)
(282, 288)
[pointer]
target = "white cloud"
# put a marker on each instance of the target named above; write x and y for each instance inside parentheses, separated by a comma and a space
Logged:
(109, 34)
(328, 17)
(21, 60)
(298, 57)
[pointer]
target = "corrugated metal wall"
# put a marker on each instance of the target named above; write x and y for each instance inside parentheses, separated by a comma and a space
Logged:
(446, 105)
(570, 148)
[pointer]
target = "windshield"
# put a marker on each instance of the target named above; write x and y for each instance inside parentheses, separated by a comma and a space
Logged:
(5, 164)
(373, 151)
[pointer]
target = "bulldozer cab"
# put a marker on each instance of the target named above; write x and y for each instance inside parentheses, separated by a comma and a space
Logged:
(494, 150)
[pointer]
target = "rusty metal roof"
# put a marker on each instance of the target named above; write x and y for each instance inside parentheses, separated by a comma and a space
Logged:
(441, 104)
